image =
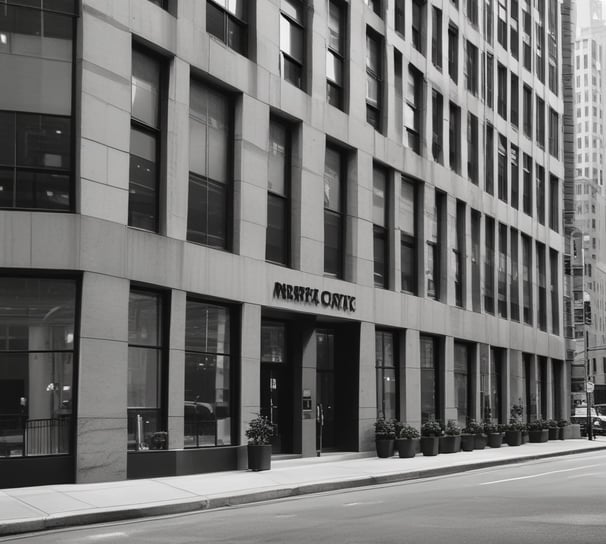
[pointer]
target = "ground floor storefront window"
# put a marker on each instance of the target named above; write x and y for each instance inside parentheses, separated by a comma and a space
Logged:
(387, 375)
(37, 323)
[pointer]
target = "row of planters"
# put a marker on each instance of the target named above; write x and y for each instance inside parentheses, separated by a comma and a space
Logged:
(437, 438)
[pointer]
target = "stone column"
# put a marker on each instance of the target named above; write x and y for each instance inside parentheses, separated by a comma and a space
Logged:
(368, 387)
(412, 379)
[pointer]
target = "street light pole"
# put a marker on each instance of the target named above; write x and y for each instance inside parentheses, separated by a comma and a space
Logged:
(585, 328)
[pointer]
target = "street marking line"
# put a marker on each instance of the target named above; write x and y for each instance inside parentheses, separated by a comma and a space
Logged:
(362, 503)
(538, 475)
(106, 535)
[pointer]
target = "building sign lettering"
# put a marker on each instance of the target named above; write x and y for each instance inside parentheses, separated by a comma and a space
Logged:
(307, 295)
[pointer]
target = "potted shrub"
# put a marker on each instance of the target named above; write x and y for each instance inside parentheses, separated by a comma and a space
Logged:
(259, 433)
(159, 441)
(564, 426)
(385, 435)
(538, 431)
(407, 441)
(554, 430)
(468, 436)
(494, 438)
(513, 433)
(430, 438)
(479, 438)
(450, 441)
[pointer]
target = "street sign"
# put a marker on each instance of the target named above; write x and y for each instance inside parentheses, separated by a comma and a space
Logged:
(589, 387)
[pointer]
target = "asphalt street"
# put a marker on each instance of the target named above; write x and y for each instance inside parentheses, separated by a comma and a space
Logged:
(557, 500)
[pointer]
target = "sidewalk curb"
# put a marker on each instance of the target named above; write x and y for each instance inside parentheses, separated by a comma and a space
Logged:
(59, 521)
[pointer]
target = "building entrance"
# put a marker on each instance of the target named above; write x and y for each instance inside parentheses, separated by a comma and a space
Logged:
(325, 388)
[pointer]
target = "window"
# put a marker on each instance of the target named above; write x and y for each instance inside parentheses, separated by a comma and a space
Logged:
(147, 372)
(413, 108)
(475, 260)
(334, 211)
(145, 141)
(514, 281)
(292, 41)
(554, 203)
(374, 5)
(502, 23)
(540, 121)
(515, 176)
(453, 52)
(228, 21)
(210, 133)
(526, 36)
(540, 181)
(513, 35)
(472, 143)
(37, 370)
(489, 250)
(430, 383)
(553, 288)
(502, 169)
(552, 39)
(208, 404)
(437, 121)
(514, 104)
(502, 272)
(387, 375)
(399, 20)
(277, 235)
(472, 11)
(454, 137)
(471, 75)
(408, 236)
(540, 46)
(502, 90)
(489, 158)
(526, 279)
(459, 255)
(542, 285)
(463, 382)
(527, 185)
(489, 80)
(436, 38)
(434, 248)
(374, 75)
(36, 49)
(418, 25)
(379, 219)
(554, 144)
(335, 54)
(527, 111)
(488, 16)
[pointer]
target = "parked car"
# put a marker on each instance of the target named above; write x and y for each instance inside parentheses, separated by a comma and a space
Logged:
(598, 418)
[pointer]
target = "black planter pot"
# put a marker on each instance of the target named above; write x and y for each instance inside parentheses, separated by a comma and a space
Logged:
(554, 433)
(479, 441)
(430, 445)
(259, 457)
(467, 442)
(513, 438)
(450, 444)
(525, 438)
(385, 447)
(494, 440)
(407, 447)
(538, 436)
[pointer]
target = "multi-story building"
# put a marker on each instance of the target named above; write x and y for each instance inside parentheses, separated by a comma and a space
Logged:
(300, 208)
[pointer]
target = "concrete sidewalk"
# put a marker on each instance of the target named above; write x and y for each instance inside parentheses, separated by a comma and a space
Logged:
(38, 508)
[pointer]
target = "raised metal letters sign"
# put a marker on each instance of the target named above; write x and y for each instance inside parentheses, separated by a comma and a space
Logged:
(308, 295)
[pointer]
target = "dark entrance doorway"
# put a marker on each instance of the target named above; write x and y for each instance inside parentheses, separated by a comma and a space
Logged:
(325, 388)
(276, 393)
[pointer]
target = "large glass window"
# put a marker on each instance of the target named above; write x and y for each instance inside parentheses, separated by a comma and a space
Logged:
(460, 273)
(37, 327)
(146, 373)
(453, 52)
(553, 288)
(462, 378)
(227, 20)
(335, 54)
(418, 25)
(36, 49)
(542, 287)
(374, 77)
(145, 136)
(208, 375)
(540, 187)
(413, 109)
(489, 251)
(454, 137)
(408, 236)
(489, 160)
(430, 385)
(502, 303)
(334, 211)
(502, 188)
(387, 375)
(292, 41)
(471, 68)
(208, 211)
(436, 37)
(540, 122)
(278, 194)
(527, 279)
(437, 123)
(472, 143)
(379, 219)
(514, 277)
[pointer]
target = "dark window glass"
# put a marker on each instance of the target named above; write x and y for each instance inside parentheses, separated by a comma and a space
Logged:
(502, 304)
(408, 236)
(418, 25)
(292, 41)
(206, 222)
(228, 22)
(430, 384)
(514, 273)
(374, 74)
(462, 378)
(387, 375)
(489, 250)
(335, 54)
(334, 198)
(379, 218)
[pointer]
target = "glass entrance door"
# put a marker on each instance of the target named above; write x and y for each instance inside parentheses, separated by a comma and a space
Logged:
(325, 386)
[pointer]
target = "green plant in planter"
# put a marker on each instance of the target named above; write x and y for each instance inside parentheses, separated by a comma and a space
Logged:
(260, 431)
(452, 428)
(384, 429)
(159, 441)
(430, 437)
(473, 427)
(535, 425)
(491, 428)
(552, 424)
(563, 423)
(408, 432)
(538, 431)
(450, 442)
(431, 428)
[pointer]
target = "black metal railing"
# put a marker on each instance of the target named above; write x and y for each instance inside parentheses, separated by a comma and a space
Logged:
(22, 437)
